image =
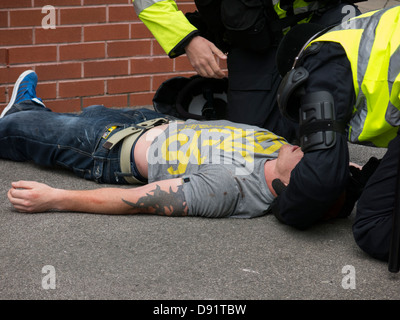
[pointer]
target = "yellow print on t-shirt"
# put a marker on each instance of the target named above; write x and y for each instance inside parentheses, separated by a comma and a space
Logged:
(205, 144)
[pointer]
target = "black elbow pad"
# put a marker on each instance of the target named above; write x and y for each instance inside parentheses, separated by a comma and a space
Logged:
(318, 125)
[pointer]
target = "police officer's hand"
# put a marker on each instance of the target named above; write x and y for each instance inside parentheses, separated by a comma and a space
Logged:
(201, 54)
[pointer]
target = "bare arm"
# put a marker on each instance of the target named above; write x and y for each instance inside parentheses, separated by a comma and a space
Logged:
(163, 198)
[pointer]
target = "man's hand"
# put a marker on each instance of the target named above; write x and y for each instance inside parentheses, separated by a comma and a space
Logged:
(201, 54)
(30, 196)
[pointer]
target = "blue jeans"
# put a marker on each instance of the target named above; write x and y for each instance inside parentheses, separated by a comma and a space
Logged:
(73, 141)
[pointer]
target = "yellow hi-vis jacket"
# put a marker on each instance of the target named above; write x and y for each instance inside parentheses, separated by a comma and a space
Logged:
(372, 45)
(170, 27)
(167, 24)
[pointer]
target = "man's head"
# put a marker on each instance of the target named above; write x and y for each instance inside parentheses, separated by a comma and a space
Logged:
(278, 171)
(288, 157)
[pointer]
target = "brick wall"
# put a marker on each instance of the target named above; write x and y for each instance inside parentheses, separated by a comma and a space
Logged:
(98, 53)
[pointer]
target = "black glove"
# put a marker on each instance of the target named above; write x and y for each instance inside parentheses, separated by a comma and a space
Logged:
(279, 187)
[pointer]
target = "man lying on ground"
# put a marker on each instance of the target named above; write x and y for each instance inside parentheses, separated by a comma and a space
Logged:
(210, 169)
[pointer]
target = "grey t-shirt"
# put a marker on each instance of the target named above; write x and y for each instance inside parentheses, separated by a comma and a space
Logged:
(221, 163)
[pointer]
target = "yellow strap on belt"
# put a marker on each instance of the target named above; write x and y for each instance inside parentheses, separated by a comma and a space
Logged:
(120, 135)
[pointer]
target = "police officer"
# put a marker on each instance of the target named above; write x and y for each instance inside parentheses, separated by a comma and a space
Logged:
(345, 86)
(250, 32)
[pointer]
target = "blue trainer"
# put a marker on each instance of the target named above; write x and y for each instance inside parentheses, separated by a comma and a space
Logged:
(24, 89)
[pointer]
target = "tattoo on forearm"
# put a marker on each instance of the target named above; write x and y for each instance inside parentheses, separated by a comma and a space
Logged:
(163, 203)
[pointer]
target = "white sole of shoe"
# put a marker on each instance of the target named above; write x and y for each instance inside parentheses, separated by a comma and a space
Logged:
(15, 90)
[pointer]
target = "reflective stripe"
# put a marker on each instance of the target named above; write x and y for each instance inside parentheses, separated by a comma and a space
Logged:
(299, 6)
(302, 6)
(393, 110)
(373, 72)
(366, 44)
(372, 45)
(140, 5)
(167, 24)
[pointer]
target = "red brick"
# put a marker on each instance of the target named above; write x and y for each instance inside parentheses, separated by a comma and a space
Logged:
(126, 85)
(81, 88)
(64, 105)
(58, 35)
(151, 65)
(141, 99)
(33, 54)
(59, 71)
(82, 51)
(15, 4)
(140, 31)
(106, 32)
(106, 68)
(159, 79)
(10, 74)
(157, 49)
(182, 63)
(3, 57)
(121, 13)
(57, 3)
(46, 91)
(3, 19)
(187, 7)
(91, 2)
(129, 48)
(82, 15)
(108, 101)
(10, 37)
(107, 40)
(3, 93)
(26, 17)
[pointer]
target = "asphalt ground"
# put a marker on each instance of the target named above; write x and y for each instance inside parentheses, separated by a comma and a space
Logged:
(76, 256)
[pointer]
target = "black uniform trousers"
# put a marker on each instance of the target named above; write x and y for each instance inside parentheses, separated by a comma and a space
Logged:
(373, 223)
